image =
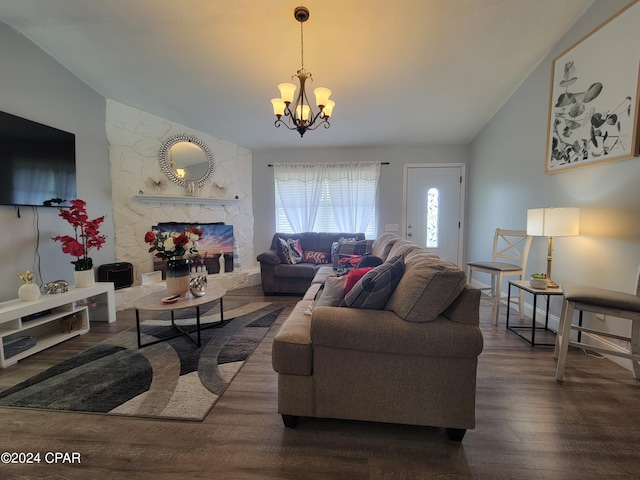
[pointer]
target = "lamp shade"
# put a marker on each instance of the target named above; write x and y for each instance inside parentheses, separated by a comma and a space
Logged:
(553, 222)
(328, 108)
(278, 106)
(286, 91)
(322, 96)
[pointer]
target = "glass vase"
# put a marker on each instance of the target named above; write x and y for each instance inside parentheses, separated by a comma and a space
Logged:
(177, 269)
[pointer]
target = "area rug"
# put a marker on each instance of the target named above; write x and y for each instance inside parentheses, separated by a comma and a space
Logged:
(174, 379)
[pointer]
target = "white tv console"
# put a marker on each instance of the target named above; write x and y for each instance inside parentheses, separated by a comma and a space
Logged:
(52, 319)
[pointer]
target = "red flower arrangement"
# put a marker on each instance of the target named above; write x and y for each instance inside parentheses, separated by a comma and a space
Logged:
(86, 237)
(173, 244)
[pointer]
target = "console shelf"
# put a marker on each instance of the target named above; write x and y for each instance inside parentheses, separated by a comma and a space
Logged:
(30, 327)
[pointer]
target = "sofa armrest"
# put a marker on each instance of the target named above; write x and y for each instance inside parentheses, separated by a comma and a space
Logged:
(465, 308)
(382, 331)
(270, 256)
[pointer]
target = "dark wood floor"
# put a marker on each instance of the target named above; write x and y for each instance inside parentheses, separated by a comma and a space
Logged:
(528, 426)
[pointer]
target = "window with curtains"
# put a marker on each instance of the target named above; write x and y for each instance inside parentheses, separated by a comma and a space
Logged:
(326, 197)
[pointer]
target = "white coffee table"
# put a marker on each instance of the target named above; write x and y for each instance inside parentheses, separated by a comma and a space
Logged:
(153, 303)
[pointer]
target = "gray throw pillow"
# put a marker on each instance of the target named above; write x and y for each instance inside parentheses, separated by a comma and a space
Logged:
(376, 286)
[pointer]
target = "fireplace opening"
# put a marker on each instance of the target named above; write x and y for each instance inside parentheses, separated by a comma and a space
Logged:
(217, 239)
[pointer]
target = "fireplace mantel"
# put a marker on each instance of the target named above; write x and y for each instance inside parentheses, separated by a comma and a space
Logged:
(223, 202)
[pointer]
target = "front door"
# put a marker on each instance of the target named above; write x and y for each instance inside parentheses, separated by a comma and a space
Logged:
(433, 211)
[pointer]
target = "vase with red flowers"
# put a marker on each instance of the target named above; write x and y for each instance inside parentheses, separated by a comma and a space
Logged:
(174, 247)
(86, 237)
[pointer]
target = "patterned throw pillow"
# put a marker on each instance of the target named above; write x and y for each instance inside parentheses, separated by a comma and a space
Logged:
(289, 251)
(375, 287)
(336, 245)
(317, 258)
(348, 248)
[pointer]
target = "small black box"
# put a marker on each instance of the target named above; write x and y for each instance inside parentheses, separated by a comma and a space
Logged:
(121, 274)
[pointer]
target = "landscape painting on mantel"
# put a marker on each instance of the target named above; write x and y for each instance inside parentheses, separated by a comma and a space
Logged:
(216, 238)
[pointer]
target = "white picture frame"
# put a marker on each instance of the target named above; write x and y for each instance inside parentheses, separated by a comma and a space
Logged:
(593, 100)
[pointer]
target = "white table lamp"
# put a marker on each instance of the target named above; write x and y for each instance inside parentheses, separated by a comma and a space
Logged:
(553, 222)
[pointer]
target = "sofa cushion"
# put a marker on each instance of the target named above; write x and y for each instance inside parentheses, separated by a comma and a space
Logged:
(292, 352)
(289, 250)
(322, 273)
(382, 245)
(402, 247)
(429, 285)
(376, 286)
(300, 270)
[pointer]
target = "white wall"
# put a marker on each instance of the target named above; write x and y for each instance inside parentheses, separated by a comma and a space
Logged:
(506, 177)
(389, 187)
(36, 87)
(135, 138)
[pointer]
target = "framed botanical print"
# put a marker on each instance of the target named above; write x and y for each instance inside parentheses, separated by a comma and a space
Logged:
(593, 102)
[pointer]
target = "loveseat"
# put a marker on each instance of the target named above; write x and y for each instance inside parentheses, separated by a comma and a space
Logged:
(280, 277)
(411, 362)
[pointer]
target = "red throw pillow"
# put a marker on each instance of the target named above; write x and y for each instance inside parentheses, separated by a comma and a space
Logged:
(353, 276)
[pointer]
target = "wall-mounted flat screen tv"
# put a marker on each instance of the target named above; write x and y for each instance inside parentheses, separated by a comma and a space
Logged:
(37, 163)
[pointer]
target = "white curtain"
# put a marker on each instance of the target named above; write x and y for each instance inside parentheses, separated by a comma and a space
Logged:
(344, 193)
(353, 186)
(298, 186)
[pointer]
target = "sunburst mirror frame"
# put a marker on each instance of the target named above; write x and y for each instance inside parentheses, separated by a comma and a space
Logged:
(170, 173)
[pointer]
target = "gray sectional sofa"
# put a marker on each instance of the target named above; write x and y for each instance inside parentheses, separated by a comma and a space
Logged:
(413, 362)
(281, 278)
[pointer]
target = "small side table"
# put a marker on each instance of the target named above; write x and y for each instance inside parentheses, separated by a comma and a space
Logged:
(548, 292)
(152, 302)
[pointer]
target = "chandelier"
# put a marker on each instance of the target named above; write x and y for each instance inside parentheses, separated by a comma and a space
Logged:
(299, 115)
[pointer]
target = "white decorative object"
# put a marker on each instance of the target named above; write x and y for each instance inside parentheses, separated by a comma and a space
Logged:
(150, 277)
(28, 292)
(221, 262)
(84, 278)
(236, 255)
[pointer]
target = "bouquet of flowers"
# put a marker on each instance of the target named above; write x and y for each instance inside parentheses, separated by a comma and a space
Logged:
(86, 236)
(173, 244)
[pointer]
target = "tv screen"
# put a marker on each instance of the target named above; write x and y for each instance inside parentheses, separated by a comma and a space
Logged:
(37, 163)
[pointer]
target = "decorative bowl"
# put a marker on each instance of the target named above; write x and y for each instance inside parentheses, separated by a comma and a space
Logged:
(539, 283)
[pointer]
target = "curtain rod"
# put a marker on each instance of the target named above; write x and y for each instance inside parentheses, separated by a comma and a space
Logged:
(381, 163)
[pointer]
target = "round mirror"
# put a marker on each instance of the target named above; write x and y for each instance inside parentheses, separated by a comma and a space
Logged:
(186, 160)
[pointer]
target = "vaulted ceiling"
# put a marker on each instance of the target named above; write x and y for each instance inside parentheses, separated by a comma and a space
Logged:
(401, 71)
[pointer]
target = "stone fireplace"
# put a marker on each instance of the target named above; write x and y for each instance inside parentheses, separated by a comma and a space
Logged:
(143, 197)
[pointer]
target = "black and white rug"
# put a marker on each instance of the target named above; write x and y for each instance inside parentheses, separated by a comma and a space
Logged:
(172, 379)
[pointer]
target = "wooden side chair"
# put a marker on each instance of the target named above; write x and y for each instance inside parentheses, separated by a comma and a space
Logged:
(510, 254)
(606, 302)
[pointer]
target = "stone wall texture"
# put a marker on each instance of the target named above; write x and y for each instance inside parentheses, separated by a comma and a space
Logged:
(135, 138)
